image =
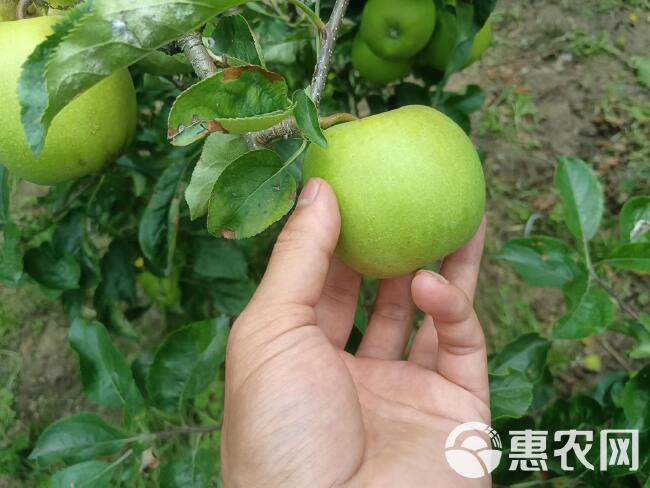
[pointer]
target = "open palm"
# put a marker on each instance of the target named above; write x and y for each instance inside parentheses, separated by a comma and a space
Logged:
(302, 412)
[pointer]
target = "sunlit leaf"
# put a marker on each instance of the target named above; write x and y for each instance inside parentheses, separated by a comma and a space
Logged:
(235, 100)
(306, 115)
(77, 438)
(635, 220)
(582, 195)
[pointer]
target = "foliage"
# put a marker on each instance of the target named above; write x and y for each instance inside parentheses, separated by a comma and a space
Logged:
(140, 237)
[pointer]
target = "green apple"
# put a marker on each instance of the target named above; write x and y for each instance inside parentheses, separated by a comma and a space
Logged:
(86, 135)
(409, 184)
(374, 68)
(439, 50)
(398, 29)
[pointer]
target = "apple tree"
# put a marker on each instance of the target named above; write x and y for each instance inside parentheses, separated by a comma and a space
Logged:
(230, 93)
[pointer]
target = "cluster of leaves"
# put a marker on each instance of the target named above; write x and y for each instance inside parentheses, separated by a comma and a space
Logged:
(521, 384)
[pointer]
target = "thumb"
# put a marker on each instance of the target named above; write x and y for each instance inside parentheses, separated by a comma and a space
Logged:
(301, 257)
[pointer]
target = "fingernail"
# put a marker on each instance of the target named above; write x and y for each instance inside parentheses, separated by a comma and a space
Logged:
(437, 277)
(309, 192)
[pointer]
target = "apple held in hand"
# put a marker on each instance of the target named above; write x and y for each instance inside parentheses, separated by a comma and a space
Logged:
(410, 188)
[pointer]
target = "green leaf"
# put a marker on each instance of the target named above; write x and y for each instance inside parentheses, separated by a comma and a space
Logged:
(77, 438)
(11, 257)
(235, 100)
(219, 150)
(511, 394)
(93, 41)
(69, 233)
(592, 311)
(105, 374)
(186, 363)
(635, 220)
(90, 474)
(281, 42)
(582, 195)
(542, 261)
(5, 194)
(190, 469)
(526, 354)
(234, 39)
(212, 259)
(306, 115)
(159, 223)
(579, 411)
(252, 193)
(159, 63)
(37, 111)
(636, 400)
(634, 256)
(51, 270)
(459, 106)
(641, 65)
(231, 297)
(117, 284)
(469, 20)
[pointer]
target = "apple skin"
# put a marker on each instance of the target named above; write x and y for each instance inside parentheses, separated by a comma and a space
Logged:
(375, 69)
(87, 134)
(397, 30)
(410, 188)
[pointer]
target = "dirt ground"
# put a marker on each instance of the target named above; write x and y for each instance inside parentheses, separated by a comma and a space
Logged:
(559, 80)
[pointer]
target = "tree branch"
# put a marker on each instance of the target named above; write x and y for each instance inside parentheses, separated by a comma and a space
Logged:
(192, 46)
(327, 44)
(288, 128)
(21, 9)
(204, 66)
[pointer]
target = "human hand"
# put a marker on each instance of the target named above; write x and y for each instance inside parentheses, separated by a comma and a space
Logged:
(302, 412)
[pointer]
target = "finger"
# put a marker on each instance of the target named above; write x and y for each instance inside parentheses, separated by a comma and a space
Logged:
(390, 323)
(462, 267)
(301, 256)
(338, 302)
(425, 345)
(461, 355)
